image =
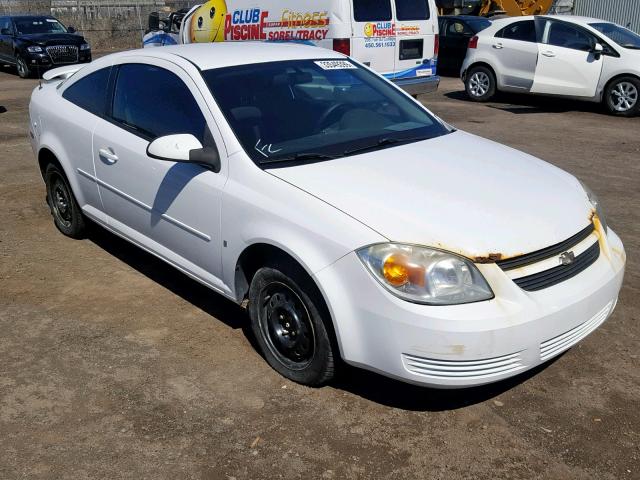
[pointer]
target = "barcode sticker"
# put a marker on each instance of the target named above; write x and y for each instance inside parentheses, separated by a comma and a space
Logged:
(335, 64)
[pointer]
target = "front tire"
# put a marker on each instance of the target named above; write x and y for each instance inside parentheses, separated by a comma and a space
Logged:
(23, 68)
(622, 97)
(66, 213)
(480, 84)
(288, 322)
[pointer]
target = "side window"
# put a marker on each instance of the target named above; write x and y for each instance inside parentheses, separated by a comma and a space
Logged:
(5, 26)
(90, 92)
(371, 10)
(412, 10)
(154, 102)
(457, 29)
(524, 31)
(563, 35)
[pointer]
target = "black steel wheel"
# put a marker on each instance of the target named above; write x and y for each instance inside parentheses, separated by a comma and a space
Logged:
(66, 213)
(288, 321)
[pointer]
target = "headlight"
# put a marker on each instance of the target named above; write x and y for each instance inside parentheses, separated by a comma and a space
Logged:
(85, 46)
(424, 275)
(34, 49)
(593, 199)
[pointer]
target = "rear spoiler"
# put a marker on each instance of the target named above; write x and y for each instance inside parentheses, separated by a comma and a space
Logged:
(60, 73)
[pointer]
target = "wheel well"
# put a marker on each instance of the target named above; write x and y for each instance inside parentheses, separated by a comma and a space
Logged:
(613, 79)
(46, 157)
(259, 255)
(482, 64)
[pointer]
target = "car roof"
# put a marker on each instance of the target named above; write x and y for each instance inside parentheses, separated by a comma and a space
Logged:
(206, 56)
(26, 15)
(468, 18)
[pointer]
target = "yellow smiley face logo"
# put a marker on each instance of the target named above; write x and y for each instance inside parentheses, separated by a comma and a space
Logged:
(368, 29)
(207, 24)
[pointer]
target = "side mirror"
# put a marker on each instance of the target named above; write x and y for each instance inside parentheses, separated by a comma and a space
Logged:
(597, 50)
(184, 148)
(71, 29)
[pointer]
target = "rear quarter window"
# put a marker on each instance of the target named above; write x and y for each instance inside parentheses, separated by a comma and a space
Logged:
(371, 10)
(412, 10)
(90, 92)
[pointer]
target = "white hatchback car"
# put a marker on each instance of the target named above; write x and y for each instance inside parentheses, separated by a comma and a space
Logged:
(575, 57)
(354, 222)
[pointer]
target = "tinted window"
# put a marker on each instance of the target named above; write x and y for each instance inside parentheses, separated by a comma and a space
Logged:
(457, 28)
(90, 92)
(154, 102)
(371, 10)
(288, 111)
(5, 24)
(567, 36)
(523, 31)
(412, 9)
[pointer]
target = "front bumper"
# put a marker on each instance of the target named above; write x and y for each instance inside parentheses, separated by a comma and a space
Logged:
(474, 344)
(42, 60)
(418, 85)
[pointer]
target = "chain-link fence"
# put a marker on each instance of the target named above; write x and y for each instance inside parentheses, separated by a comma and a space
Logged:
(106, 24)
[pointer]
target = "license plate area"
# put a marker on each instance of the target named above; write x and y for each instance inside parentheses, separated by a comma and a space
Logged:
(411, 49)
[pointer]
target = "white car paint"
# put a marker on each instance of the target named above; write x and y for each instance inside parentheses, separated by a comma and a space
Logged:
(456, 192)
(540, 68)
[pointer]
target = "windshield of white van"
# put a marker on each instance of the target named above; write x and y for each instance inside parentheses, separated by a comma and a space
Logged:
(312, 110)
(622, 36)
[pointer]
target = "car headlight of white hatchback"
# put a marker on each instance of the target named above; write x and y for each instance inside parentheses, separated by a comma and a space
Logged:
(595, 202)
(425, 275)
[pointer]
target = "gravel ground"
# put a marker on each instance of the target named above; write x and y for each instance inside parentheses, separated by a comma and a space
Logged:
(114, 365)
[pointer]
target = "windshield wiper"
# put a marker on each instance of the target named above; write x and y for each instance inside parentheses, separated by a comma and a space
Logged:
(383, 142)
(299, 156)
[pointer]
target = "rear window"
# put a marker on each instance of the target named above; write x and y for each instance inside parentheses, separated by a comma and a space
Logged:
(90, 92)
(371, 10)
(524, 31)
(412, 10)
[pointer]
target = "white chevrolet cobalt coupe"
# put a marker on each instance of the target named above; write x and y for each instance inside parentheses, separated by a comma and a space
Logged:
(353, 222)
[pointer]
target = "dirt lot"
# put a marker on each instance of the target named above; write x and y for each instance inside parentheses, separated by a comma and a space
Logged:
(114, 365)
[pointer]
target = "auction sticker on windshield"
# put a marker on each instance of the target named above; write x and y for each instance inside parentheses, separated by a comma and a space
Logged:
(335, 64)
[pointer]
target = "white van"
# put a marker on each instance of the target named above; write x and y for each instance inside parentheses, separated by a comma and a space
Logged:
(397, 38)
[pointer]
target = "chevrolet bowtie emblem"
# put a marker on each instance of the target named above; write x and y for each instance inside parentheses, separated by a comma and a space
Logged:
(567, 258)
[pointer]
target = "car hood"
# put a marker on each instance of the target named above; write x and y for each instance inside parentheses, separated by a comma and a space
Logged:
(45, 39)
(457, 192)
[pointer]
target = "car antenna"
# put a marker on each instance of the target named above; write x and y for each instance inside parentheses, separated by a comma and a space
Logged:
(39, 76)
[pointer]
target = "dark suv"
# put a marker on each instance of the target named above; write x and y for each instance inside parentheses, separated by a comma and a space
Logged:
(37, 43)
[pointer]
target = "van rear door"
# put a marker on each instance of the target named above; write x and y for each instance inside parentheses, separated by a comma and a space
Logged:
(374, 42)
(416, 29)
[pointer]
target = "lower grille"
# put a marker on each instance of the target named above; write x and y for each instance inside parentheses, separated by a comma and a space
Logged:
(563, 342)
(63, 53)
(462, 369)
(553, 276)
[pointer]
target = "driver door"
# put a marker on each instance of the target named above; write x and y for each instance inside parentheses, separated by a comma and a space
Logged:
(172, 209)
(567, 64)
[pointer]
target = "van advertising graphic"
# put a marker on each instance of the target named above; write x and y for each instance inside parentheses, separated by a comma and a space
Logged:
(380, 29)
(212, 22)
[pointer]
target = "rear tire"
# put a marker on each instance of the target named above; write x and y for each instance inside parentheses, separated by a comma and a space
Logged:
(66, 213)
(23, 68)
(480, 84)
(288, 322)
(622, 97)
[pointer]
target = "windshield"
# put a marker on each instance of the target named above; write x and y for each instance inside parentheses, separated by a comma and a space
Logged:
(30, 25)
(311, 110)
(622, 36)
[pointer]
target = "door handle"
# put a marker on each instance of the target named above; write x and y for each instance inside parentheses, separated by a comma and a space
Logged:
(549, 53)
(108, 155)
(498, 46)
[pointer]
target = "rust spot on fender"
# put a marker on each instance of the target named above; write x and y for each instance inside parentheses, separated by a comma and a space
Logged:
(489, 258)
